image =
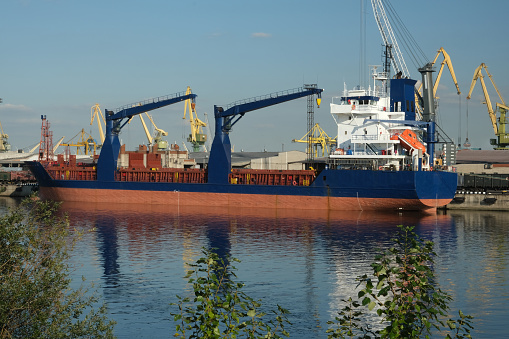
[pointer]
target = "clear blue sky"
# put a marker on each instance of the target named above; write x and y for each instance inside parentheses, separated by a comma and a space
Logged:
(60, 57)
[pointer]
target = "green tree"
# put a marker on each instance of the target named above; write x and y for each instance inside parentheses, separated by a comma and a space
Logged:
(36, 300)
(403, 291)
(219, 309)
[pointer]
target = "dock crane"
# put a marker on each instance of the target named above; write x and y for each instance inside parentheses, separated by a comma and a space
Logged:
(58, 144)
(197, 138)
(4, 140)
(318, 138)
(447, 61)
(499, 125)
(85, 140)
(107, 162)
(220, 160)
(158, 139)
(32, 150)
(96, 113)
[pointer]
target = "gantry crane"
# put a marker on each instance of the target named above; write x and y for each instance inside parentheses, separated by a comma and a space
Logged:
(318, 138)
(85, 144)
(499, 125)
(158, 139)
(96, 113)
(107, 162)
(197, 138)
(220, 160)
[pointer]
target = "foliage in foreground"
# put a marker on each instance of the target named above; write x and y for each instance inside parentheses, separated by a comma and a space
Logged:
(219, 309)
(404, 294)
(36, 300)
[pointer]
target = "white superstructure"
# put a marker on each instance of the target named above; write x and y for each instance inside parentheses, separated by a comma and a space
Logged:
(372, 133)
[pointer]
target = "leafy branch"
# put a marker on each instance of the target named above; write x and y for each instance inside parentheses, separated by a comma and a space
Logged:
(219, 309)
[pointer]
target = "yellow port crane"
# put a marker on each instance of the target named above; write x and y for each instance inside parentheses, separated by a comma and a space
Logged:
(318, 139)
(197, 138)
(447, 61)
(158, 139)
(499, 125)
(35, 147)
(58, 144)
(85, 144)
(96, 113)
(54, 147)
(4, 141)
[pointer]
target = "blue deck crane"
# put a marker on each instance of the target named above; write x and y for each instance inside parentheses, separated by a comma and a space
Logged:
(107, 163)
(219, 166)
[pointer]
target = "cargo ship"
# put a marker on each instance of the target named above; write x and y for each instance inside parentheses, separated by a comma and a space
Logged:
(380, 162)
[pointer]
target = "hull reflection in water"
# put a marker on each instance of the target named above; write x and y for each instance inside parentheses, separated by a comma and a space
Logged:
(304, 261)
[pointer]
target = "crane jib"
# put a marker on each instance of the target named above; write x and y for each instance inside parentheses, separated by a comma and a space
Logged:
(249, 105)
(138, 109)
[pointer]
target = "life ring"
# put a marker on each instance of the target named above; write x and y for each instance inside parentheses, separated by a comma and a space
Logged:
(294, 183)
(353, 107)
(380, 168)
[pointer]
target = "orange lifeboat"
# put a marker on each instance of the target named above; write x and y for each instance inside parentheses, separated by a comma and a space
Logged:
(409, 141)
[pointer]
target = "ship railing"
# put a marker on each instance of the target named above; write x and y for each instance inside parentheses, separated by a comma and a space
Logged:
(264, 97)
(364, 108)
(150, 101)
(371, 137)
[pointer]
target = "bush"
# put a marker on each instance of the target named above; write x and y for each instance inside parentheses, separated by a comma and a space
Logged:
(405, 296)
(36, 300)
(219, 309)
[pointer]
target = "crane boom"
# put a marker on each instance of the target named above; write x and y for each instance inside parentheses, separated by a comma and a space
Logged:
(499, 125)
(220, 156)
(447, 61)
(158, 139)
(107, 162)
(197, 137)
(478, 76)
(4, 143)
(147, 133)
(58, 144)
(97, 113)
(385, 28)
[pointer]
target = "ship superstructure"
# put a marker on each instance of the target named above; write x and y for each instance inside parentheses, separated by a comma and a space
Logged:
(377, 130)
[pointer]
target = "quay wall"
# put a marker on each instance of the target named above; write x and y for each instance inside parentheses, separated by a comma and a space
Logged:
(480, 201)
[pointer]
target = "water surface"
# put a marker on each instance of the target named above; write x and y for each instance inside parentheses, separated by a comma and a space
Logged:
(304, 261)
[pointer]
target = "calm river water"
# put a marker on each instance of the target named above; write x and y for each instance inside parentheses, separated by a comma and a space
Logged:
(304, 261)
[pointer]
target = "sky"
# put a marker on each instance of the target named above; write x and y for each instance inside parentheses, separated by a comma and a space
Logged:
(60, 57)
